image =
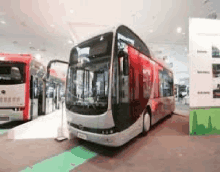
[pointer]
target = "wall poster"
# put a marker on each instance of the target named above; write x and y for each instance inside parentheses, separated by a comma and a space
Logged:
(204, 53)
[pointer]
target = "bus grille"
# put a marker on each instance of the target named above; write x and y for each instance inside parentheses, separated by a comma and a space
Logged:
(95, 130)
(9, 99)
(4, 118)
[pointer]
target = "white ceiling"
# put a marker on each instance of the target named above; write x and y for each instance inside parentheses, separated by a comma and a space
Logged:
(28, 22)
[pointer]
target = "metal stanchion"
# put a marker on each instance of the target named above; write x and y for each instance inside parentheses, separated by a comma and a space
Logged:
(61, 135)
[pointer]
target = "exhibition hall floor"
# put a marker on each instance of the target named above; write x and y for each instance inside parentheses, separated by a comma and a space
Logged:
(167, 147)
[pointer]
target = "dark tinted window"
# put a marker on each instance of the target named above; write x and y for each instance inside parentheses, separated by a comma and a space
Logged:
(88, 76)
(12, 73)
(90, 50)
(166, 83)
(50, 90)
(128, 36)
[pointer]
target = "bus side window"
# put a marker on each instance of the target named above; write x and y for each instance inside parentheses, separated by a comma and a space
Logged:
(166, 84)
(146, 83)
(40, 89)
(170, 84)
(31, 87)
(115, 81)
(36, 88)
(161, 83)
(50, 90)
(156, 87)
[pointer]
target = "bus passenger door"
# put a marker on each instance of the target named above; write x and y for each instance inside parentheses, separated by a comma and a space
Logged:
(162, 93)
(40, 98)
(34, 97)
(157, 102)
(147, 80)
(136, 94)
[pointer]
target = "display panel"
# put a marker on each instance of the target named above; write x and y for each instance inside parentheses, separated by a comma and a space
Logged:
(204, 45)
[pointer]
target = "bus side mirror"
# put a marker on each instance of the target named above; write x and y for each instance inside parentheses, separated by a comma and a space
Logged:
(46, 77)
(47, 74)
(125, 62)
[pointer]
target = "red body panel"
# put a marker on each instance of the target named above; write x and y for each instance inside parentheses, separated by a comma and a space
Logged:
(26, 115)
(143, 76)
(27, 59)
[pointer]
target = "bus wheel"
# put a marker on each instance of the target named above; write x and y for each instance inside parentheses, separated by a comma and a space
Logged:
(146, 123)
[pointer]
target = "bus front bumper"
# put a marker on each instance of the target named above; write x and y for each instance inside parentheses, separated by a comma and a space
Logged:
(113, 140)
(10, 115)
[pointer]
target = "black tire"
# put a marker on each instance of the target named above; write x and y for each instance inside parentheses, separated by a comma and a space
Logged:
(146, 123)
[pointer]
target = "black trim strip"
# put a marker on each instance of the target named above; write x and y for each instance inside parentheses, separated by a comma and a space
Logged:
(5, 118)
(12, 108)
(94, 130)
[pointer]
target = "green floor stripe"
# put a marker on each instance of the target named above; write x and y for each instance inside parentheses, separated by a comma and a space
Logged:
(63, 162)
(3, 131)
(204, 121)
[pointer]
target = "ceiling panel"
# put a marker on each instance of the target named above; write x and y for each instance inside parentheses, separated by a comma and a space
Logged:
(49, 24)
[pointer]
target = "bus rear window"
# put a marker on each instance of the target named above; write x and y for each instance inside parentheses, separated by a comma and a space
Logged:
(12, 73)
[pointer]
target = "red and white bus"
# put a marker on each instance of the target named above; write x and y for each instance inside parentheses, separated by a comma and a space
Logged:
(23, 94)
(116, 89)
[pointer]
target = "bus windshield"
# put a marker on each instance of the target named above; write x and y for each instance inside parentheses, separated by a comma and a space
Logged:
(88, 76)
(12, 73)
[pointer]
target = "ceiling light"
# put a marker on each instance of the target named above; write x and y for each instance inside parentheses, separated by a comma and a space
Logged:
(2, 58)
(71, 11)
(70, 42)
(204, 2)
(179, 30)
(3, 22)
(38, 56)
(23, 24)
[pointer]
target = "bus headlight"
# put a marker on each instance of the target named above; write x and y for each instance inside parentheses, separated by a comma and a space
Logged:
(109, 131)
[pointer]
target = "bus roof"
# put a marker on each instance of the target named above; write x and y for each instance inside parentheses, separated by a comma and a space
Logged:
(25, 58)
(94, 34)
(114, 28)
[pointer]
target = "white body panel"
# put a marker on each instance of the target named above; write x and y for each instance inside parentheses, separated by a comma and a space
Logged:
(116, 139)
(35, 108)
(49, 105)
(14, 95)
(203, 38)
(10, 115)
(91, 121)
